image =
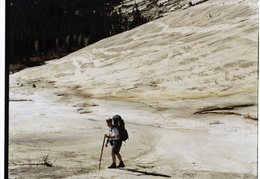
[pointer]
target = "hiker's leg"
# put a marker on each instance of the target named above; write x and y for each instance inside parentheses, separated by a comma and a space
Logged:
(121, 163)
(119, 157)
(113, 165)
(113, 158)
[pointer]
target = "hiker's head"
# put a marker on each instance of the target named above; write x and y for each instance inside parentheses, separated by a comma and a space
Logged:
(109, 122)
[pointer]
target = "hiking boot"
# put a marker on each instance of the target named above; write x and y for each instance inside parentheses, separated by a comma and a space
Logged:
(113, 165)
(121, 164)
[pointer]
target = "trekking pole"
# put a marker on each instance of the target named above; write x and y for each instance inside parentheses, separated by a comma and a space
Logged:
(101, 152)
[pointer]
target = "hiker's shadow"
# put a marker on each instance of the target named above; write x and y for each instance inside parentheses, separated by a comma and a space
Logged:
(145, 173)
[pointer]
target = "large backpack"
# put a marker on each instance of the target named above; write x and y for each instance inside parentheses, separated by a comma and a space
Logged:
(120, 125)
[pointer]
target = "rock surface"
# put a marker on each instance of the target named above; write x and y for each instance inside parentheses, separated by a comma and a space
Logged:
(156, 76)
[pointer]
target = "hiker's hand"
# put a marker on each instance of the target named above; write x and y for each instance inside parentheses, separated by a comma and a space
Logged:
(106, 136)
(106, 145)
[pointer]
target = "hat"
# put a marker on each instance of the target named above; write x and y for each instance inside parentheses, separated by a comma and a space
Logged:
(109, 120)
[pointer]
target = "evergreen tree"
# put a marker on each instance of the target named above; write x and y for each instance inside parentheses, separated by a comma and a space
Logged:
(44, 26)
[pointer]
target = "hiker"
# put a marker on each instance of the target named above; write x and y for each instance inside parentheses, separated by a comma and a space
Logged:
(115, 142)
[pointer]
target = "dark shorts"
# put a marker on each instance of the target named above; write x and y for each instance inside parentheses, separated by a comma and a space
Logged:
(116, 147)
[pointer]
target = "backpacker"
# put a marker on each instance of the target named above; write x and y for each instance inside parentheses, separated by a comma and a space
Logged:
(120, 125)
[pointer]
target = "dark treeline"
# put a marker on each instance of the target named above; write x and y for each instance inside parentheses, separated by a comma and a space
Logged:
(45, 29)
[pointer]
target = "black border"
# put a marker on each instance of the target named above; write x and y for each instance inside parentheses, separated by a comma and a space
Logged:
(7, 57)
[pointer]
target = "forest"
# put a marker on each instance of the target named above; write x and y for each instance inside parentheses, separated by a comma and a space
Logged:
(40, 30)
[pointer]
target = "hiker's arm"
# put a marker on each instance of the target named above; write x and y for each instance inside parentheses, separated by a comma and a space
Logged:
(107, 142)
(110, 137)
